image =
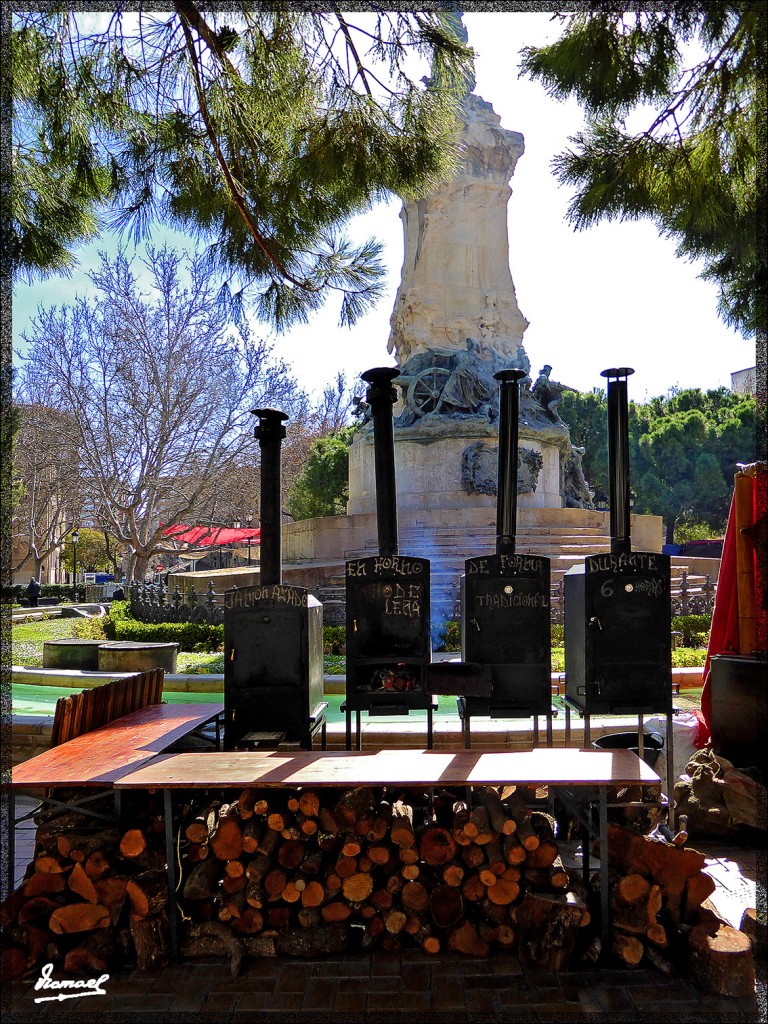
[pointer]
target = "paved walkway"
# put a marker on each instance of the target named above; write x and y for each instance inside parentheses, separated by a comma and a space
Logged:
(406, 987)
(413, 987)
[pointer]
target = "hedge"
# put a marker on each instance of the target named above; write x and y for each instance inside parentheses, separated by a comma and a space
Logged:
(190, 636)
(334, 640)
(59, 590)
(695, 629)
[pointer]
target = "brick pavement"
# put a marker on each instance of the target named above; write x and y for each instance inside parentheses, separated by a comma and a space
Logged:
(410, 987)
(391, 988)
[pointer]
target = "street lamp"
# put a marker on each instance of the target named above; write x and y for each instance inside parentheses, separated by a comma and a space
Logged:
(248, 521)
(236, 525)
(75, 539)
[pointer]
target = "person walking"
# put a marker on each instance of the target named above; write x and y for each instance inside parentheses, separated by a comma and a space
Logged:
(33, 592)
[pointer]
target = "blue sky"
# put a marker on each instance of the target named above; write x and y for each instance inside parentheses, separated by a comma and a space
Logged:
(615, 295)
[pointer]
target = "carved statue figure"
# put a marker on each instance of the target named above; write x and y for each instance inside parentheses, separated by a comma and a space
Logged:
(466, 390)
(479, 469)
(362, 410)
(576, 493)
(549, 393)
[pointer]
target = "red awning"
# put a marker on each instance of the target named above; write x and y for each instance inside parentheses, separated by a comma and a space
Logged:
(212, 536)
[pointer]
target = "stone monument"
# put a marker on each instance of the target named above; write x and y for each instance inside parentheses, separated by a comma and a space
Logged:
(455, 323)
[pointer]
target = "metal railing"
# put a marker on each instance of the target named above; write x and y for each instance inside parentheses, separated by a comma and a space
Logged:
(151, 602)
(687, 599)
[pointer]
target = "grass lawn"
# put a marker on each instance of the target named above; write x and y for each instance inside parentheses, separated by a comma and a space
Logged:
(27, 639)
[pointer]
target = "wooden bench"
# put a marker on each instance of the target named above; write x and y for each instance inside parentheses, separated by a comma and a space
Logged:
(81, 712)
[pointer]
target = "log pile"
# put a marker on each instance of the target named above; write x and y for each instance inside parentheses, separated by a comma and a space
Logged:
(316, 871)
(302, 872)
(661, 913)
(299, 872)
(91, 898)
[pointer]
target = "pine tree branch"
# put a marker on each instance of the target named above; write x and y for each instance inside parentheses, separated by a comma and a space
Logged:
(352, 49)
(232, 184)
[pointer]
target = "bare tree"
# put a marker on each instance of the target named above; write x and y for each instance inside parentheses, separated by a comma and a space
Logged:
(48, 493)
(156, 384)
(338, 401)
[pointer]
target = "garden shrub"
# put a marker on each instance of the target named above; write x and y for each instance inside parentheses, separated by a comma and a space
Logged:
(449, 636)
(61, 591)
(687, 657)
(190, 636)
(91, 628)
(334, 640)
(695, 629)
(558, 634)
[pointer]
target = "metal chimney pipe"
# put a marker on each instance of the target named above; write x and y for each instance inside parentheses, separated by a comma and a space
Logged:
(270, 433)
(506, 487)
(618, 458)
(381, 396)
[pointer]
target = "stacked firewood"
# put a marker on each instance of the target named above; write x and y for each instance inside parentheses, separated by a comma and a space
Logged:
(312, 870)
(300, 872)
(660, 911)
(91, 898)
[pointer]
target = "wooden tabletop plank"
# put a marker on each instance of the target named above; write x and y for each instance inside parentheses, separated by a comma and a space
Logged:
(391, 767)
(100, 757)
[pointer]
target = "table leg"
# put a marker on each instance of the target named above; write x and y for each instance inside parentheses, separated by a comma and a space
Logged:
(466, 727)
(170, 855)
(358, 731)
(348, 717)
(584, 854)
(535, 730)
(567, 725)
(586, 732)
(549, 729)
(604, 882)
(671, 776)
(430, 737)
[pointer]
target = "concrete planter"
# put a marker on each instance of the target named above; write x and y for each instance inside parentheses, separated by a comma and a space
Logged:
(134, 656)
(72, 653)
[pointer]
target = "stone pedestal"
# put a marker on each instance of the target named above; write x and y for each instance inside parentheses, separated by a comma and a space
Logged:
(453, 463)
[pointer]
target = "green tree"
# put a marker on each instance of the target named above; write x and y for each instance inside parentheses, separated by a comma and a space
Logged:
(92, 553)
(693, 167)
(680, 478)
(259, 130)
(586, 414)
(684, 449)
(322, 487)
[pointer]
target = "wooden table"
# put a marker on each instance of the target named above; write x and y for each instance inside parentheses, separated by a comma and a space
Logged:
(586, 773)
(97, 759)
(101, 757)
